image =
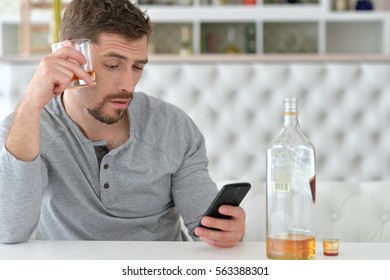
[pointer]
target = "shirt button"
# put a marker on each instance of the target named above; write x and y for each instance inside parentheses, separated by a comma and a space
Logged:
(106, 185)
(105, 166)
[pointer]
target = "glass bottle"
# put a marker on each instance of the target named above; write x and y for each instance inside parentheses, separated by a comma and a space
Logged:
(250, 38)
(185, 41)
(364, 5)
(290, 191)
(231, 47)
(341, 5)
(56, 21)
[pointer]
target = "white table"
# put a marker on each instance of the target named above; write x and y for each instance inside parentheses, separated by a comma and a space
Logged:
(126, 250)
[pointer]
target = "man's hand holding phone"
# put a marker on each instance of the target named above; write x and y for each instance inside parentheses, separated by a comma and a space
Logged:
(223, 224)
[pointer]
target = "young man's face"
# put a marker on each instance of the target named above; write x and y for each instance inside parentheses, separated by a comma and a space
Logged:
(119, 65)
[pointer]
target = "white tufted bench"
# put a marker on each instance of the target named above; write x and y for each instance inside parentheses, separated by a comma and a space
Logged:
(344, 109)
(352, 212)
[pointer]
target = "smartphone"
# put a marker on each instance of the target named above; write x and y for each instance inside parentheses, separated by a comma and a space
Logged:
(230, 194)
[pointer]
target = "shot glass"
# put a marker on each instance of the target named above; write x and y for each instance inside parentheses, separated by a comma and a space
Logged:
(331, 247)
(83, 46)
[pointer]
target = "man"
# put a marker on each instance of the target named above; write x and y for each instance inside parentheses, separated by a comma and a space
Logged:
(104, 162)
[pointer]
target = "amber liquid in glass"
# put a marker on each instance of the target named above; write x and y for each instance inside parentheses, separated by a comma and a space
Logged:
(291, 247)
(91, 73)
(76, 82)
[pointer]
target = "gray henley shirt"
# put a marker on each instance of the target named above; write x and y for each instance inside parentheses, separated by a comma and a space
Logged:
(138, 192)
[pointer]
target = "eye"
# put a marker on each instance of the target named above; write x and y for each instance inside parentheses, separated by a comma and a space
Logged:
(111, 66)
(138, 68)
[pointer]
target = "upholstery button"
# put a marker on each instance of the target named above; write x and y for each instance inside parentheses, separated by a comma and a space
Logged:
(105, 166)
(106, 185)
(384, 217)
(334, 216)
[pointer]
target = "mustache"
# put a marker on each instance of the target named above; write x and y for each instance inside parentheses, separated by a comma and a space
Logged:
(120, 95)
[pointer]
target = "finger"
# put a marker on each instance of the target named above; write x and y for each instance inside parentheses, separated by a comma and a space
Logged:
(220, 244)
(79, 73)
(221, 224)
(218, 235)
(61, 73)
(69, 53)
(233, 211)
(61, 81)
(235, 223)
(72, 69)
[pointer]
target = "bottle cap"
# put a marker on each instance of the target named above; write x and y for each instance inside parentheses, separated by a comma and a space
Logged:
(290, 106)
(331, 247)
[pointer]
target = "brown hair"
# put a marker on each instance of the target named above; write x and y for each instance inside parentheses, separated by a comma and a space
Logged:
(89, 18)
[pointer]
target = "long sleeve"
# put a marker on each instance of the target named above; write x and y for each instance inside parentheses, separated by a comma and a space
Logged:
(21, 191)
(192, 187)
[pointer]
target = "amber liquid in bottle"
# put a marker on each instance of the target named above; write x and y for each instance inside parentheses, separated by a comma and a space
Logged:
(290, 246)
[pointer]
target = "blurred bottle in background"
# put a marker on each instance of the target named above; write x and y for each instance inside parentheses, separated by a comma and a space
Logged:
(364, 5)
(341, 5)
(250, 38)
(231, 46)
(185, 41)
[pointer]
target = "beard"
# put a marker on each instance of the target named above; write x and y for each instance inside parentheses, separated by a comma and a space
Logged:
(98, 111)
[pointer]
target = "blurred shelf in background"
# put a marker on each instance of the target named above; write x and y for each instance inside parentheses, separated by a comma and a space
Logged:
(199, 27)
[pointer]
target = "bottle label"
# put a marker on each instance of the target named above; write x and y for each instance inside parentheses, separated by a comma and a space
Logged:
(286, 187)
(281, 186)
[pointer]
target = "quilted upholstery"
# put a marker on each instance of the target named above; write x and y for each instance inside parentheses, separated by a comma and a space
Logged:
(353, 212)
(344, 111)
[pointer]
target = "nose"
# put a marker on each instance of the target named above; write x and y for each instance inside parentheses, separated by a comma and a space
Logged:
(126, 82)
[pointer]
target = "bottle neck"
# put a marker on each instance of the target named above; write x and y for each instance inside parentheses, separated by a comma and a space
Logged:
(290, 120)
(290, 113)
